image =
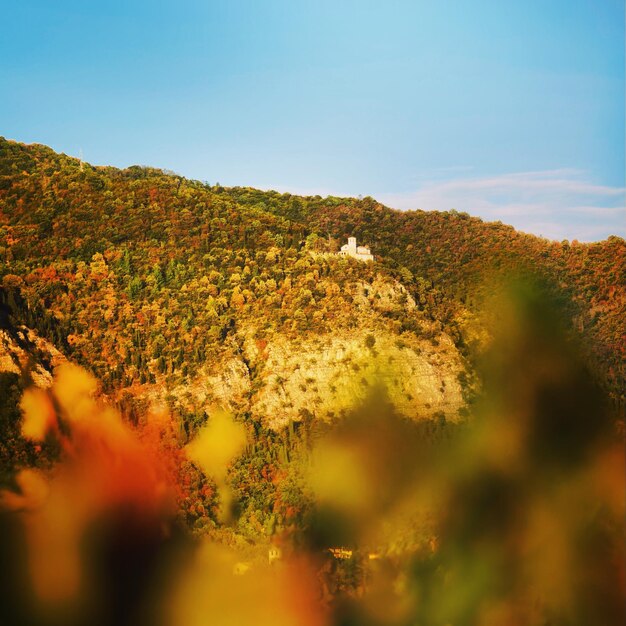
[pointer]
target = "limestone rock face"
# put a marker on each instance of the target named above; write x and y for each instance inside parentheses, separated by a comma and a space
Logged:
(225, 384)
(290, 376)
(327, 375)
(279, 375)
(317, 375)
(23, 349)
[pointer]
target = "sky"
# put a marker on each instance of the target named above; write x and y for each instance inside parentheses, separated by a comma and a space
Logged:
(508, 110)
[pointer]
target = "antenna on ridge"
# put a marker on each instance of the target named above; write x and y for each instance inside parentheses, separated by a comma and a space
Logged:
(80, 158)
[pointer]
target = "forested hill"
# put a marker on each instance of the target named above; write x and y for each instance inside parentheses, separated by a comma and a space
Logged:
(468, 258)
(146, 276)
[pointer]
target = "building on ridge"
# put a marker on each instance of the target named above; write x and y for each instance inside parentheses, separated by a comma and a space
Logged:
(362, 253)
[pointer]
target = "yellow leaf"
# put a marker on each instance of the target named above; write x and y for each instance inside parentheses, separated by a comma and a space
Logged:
(217, 444)
(39, 414)
(73, 388)
(339, 478)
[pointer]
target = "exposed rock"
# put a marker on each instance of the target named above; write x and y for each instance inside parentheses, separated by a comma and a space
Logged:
(24, 350)
(327, 375)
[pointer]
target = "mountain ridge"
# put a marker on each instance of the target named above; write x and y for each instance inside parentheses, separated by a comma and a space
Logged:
(69, 228)
(186, 301)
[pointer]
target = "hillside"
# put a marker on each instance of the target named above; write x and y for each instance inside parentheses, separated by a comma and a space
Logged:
(155, 283)
(385, 423)
(192, 297)
(468, 260)
(148, 279)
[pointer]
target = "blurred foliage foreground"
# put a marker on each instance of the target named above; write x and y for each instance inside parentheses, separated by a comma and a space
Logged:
(515, 517)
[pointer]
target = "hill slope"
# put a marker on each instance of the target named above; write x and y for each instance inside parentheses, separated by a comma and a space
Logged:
(177, 293)
(172, 291)
(169, 289)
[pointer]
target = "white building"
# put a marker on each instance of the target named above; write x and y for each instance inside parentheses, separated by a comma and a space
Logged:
(362, 253)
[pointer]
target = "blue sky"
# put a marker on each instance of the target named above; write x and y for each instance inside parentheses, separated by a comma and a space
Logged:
(512, 111)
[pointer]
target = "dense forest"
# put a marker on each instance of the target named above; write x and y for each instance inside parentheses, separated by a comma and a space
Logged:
(186, 299)
(137, 248)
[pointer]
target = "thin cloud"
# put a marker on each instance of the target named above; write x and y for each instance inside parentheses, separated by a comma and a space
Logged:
(558, 204)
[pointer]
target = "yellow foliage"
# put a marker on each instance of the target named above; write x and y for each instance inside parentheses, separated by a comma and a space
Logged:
(52, 516)
(103, 467)
(33, 492)
(214, 590)
(339, 479)
(217, 444)
(73, 388)
(39, 414)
